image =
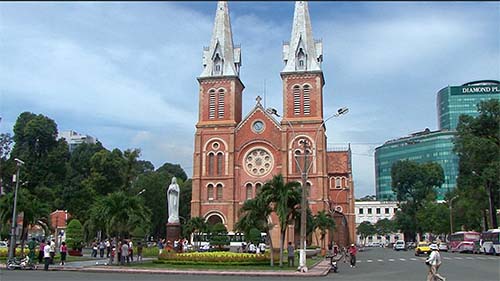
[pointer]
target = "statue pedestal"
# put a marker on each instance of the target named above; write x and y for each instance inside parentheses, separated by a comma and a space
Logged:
(173, 231)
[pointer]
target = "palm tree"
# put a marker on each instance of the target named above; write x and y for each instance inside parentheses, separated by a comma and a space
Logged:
(285, 197)
(118, 213)
(323, 222)
(196, 225)
(254, 214)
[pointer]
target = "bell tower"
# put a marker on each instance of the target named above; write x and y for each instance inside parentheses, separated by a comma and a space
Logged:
(220, 111)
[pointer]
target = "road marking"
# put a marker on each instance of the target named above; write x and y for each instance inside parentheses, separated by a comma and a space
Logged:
(413, 259)
(380, 260)
(481, 258)
(459, 258)
(469, 258)
(447, 258)
(492, 258)
(391, 259)
(402, 259)
(369, 261)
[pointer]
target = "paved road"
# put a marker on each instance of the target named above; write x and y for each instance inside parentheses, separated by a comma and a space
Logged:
(374, 264)
(385, 264)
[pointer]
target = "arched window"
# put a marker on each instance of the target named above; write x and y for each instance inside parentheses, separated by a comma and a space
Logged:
(296, 100)
(249, 191)
(219, 163)
(258, 186)
(219, 191)
(307, 100)
(211, 104)
(301, 60)
(220, 105)
(297, 161)
(211, 164)
(210, 192)
(344, 182)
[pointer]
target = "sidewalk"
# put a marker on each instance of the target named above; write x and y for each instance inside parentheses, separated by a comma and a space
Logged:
(321, 268)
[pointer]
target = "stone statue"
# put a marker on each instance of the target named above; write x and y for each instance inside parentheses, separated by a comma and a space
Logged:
(173, 201)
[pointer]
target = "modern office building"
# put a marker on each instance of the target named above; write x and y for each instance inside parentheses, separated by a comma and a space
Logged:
(74, 139)
(434, 146)
(452, 101)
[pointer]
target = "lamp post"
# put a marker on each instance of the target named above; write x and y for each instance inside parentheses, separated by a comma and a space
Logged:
(304, 177)
(14, 215)
(451, 213)
(141, 192)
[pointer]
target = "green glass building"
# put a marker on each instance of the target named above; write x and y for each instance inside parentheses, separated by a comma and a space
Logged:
(434, 146)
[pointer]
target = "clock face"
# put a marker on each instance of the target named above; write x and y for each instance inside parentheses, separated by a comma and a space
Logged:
(258, 126)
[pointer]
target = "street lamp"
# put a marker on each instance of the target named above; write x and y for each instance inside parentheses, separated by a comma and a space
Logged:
(141, 192)
(14, 216)
(304, 175)
(451, 213)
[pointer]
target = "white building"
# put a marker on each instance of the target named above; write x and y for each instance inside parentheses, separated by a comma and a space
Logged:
(373, 211)
(74, 139)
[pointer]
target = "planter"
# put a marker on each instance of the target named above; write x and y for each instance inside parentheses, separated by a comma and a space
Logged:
(77, 253)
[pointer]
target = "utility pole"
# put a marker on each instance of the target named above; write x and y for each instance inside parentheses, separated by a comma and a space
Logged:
(14, 215)
(303, 210)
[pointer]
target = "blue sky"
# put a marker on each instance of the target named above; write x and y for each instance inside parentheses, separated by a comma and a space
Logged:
(125, 72)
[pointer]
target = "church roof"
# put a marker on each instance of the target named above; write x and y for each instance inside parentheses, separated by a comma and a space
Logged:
(221, 58)
(258, 107)
(302, 41)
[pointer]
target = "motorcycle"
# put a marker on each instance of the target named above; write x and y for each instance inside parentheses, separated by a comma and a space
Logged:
(23, 263)
(333, 262)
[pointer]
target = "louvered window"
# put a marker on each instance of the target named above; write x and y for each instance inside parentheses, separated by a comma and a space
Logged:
(296, 100)
(220, 110)
(211, 105)
(307, 100)
(211, 164)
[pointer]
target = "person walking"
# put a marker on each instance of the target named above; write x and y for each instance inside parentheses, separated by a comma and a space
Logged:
(124, 253)
(434, 262)
(131, 250)
(40, 251)
(291, 255)
(52, 251)
(46, 256)
(108, 247)
(352, 252)
(345, 254)
(139, 251)
(63, 250)
(102, 246)
(31, 247)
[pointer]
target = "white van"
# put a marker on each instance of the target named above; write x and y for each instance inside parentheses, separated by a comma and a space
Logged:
(400, 245)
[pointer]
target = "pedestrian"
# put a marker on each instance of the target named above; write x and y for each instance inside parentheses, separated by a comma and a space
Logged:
(434, 262)
(160, 246)
(119, 250)
(352, 252)
(40, 251)
(102, 246)
(63, 250)
(108, 247)
(131, 250)
(124, 252)
(139, 251)
(46, 256)
(291, 255)
(344, 253)
(31, 247)
(52, 251)
(94, 249)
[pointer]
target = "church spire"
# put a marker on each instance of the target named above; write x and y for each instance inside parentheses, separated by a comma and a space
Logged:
(302, 53)
(221, 58)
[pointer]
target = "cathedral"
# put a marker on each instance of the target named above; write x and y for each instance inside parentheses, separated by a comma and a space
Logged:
(234, 156)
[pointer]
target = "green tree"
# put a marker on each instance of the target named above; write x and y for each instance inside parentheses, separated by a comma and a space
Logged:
(218, 236)
(285, 198)
(323, 222)
(365, 229)
(74, 234)
(415, 183)
(434, 218)
(173, 170)
(255, 213)
(196, 225)
(478, 148)
(384, 227)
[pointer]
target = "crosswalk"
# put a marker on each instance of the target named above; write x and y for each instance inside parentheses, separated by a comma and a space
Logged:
(422, 259)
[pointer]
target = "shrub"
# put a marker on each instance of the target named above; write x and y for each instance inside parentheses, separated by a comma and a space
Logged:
(74, 234)
(227, 258)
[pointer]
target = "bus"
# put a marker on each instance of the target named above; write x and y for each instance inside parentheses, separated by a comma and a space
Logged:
(490, 242)
(236, 239)
(464, 241)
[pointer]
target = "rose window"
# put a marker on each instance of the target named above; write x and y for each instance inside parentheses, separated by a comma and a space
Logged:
(258, 162)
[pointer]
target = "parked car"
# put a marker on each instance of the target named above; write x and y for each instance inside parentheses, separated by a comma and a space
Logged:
(400, 245)
(422, 247)
(443, 247)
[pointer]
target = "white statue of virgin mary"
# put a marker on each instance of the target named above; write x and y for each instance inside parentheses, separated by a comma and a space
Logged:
(173, 201)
